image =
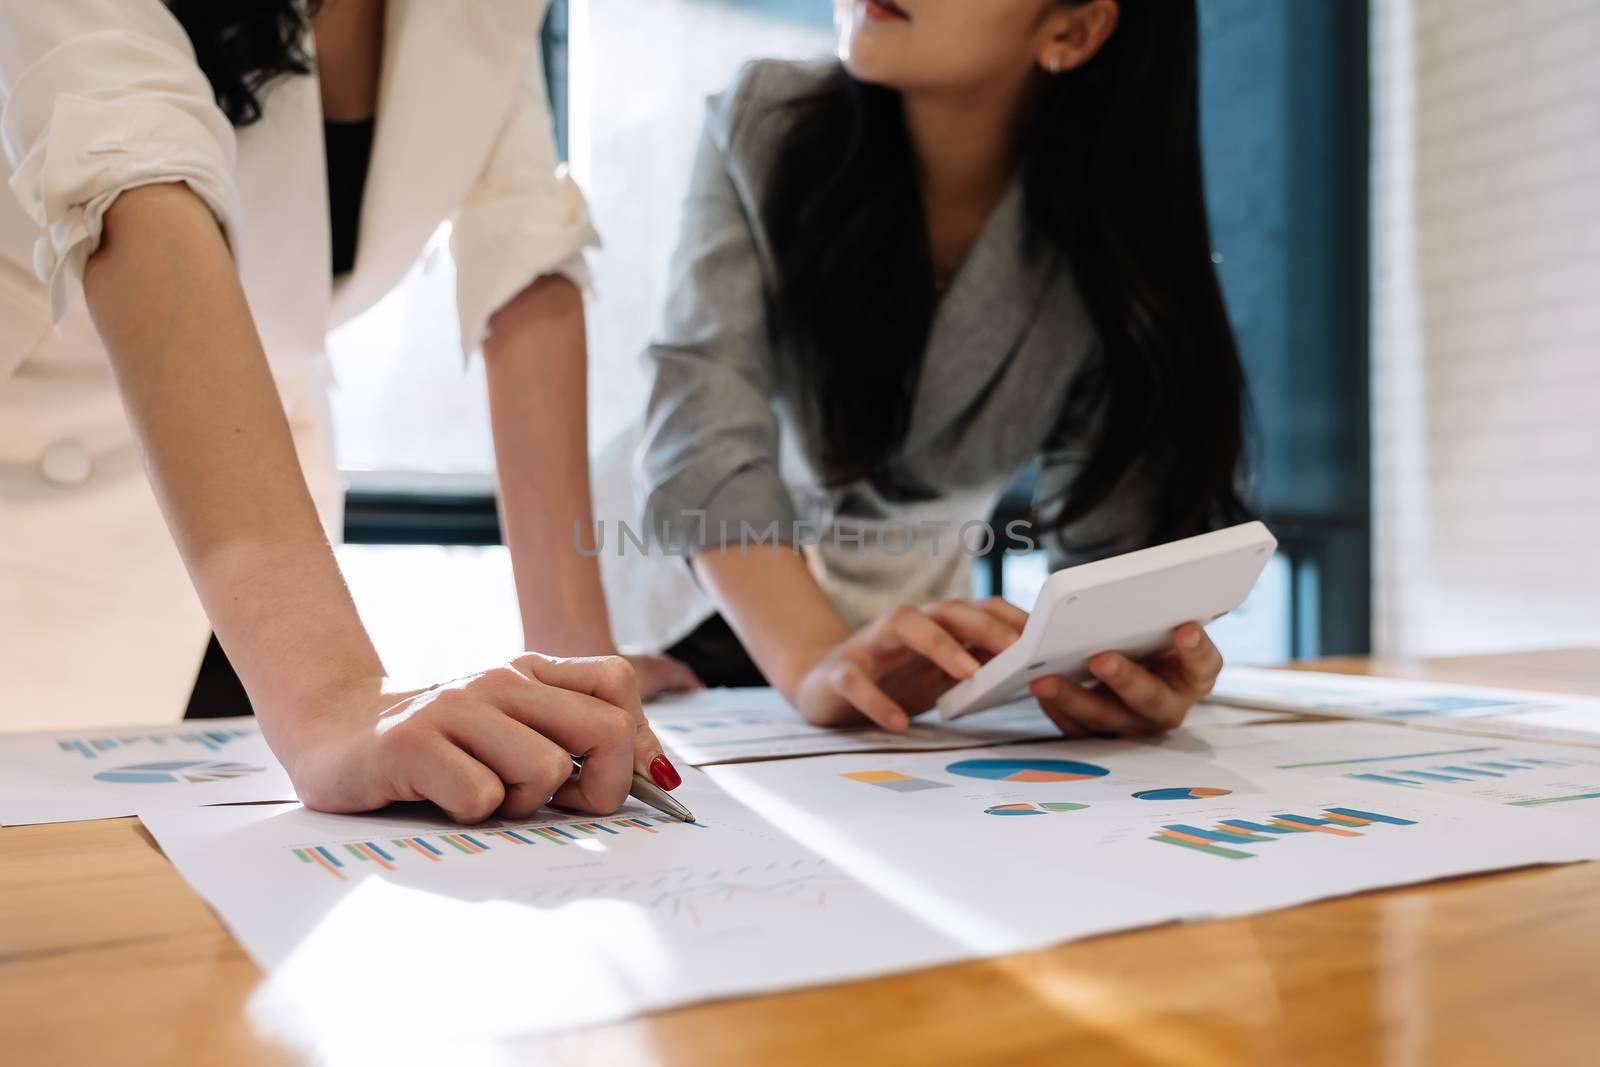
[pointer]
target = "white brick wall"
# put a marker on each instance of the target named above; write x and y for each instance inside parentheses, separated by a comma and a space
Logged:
(1486, 324)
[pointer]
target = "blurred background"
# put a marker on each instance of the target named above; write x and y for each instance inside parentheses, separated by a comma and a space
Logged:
(1402, 200)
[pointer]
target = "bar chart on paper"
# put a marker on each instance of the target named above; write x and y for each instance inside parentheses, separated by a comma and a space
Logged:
(1361, 696)
(1567, 780)
(343, 858)
(539, 922)
(115, 745)
(1027, 828)
(1462, 771)
(1231, 838)
(1535, 717)
(1498, 771)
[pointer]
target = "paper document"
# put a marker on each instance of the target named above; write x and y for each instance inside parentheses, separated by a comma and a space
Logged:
(1003, 838)
(713, 726)
(537, 925)
(1488, 769)
(799, 872)
(1558, 717)
(105, 774)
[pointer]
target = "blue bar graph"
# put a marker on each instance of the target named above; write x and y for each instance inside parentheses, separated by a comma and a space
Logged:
(1334, 824)
(210, 740)
(1468, 771)
(1372, 816)
(1226, 837)
(1255, 827)
(1383, 778)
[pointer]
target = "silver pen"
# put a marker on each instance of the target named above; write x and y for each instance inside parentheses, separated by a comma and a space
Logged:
(647, 792)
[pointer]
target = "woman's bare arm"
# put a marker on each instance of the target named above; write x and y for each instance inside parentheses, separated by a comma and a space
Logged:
(536, 354)
(168, 305)
(166, 299)
(537, 366)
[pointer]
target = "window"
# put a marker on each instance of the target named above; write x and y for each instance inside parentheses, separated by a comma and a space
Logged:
(1284, 135)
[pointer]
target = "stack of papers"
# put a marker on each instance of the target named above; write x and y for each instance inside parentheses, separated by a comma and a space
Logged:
(873, 853)
(735, 725)
(806, 871)
(1558, 717)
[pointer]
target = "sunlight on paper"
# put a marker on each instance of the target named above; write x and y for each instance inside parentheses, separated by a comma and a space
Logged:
(386, 953)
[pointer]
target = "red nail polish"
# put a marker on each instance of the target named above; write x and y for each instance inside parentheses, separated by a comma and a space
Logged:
(664, 773)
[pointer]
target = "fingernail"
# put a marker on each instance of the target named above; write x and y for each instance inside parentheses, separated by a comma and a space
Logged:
(970, 663)
(664, 774)
(1047, 688)
(1105, 666)
(1189, 639)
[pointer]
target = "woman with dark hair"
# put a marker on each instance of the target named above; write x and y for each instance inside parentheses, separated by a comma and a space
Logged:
(202, 189)
(977, 243)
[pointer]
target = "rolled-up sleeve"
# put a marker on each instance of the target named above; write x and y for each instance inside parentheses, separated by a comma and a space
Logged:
(98, 97)
(523, 218)
(708, 461)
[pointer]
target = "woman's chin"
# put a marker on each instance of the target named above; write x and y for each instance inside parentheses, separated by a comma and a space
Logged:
(864, 66)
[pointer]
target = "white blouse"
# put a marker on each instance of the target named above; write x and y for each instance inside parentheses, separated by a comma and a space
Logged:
(101, 96)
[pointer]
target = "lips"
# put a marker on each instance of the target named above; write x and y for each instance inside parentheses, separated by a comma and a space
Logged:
(885, 11)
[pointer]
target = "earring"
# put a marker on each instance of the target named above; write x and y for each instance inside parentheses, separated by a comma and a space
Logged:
(1054, 65)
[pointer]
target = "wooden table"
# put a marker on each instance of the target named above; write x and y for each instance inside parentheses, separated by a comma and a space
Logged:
(107, 957)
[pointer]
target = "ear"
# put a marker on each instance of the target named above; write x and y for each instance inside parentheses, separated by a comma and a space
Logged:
(1072, 35)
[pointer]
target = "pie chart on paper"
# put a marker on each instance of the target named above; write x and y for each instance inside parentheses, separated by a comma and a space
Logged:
(1027, 770)
(1184, 792)
(1049, 808)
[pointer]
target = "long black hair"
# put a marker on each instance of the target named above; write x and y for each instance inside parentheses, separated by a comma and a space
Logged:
(242, 45)
(1112, 177)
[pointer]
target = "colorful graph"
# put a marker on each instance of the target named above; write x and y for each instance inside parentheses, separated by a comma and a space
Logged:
(1300, 695)
(1047, 808)
(210, 740)
(1216, 841)
(1422, 706)
(1027, 770)
(1386, 759)
(1532, 802)
(694, 725)
(163, 772)
(1462, 771)
(900, 783)
(1182, 792)
(338, 858)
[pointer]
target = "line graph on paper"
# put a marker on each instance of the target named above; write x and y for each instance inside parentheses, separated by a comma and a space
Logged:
(720, 897)
(342, 858)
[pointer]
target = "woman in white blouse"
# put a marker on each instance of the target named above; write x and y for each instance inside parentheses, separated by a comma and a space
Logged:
(198, 192)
